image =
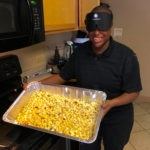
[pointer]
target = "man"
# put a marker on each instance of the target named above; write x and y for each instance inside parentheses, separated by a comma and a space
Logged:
(106, 65)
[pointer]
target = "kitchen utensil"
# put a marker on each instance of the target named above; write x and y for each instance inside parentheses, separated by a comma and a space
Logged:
(68, 50)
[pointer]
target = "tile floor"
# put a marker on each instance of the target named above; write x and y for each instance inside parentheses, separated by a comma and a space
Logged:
(140, 135)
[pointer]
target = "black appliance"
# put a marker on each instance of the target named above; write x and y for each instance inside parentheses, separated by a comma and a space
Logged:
(14, 137)
(21, 23)
(10, 81)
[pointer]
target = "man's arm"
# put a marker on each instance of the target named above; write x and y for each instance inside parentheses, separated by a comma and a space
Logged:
(123, 99)
(55, 79)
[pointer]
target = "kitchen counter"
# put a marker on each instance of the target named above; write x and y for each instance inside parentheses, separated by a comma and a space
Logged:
(37, 78)
(40, 77)
(46, 75)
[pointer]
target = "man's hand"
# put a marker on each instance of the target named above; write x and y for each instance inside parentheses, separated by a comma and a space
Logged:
(123, 99)
(25, 86)
(106, 107)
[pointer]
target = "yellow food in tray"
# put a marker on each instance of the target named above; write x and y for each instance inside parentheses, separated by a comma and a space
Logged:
(72, 117)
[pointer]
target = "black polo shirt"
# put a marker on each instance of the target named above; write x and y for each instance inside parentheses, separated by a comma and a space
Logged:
(115, 71)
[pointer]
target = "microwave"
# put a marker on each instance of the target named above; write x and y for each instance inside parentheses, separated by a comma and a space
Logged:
(21, 23)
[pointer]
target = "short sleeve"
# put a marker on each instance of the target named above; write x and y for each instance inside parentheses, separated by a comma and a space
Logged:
(131, 81)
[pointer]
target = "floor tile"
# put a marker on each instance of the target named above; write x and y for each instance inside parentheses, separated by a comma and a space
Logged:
(138, 110)
(137, 127)
(140, 140)
(102, 147)
(128, 147)
(148, 131)
(145, 106)
(144, 121)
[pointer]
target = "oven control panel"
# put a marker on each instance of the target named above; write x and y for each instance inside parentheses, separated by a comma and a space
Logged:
(9, 67)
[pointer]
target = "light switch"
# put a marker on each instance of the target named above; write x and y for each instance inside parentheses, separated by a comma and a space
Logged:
(118, 33)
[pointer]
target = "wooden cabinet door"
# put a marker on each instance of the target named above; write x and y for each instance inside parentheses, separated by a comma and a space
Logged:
(60, 15)
(85, 6)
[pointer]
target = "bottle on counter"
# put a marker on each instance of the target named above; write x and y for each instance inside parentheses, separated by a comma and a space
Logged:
(56, 56)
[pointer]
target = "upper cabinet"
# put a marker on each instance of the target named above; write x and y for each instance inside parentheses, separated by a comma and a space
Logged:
(66, 15)
(85, 6)
(60, 15)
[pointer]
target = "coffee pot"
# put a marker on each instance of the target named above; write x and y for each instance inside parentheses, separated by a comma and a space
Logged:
(68, 49)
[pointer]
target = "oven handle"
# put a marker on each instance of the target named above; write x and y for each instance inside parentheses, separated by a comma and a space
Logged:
(2, 147)
(13, 90)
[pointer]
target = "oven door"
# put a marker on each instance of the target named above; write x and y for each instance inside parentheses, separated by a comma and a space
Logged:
(15, 24)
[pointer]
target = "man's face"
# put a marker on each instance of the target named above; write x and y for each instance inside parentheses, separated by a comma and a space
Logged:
(99, 38)
(99, 26)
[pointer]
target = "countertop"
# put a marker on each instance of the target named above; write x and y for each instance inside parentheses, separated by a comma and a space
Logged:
(46, 75)
(40, 77)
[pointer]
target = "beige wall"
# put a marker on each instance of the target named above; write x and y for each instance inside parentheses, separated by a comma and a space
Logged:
(134, 17)
(34, 58)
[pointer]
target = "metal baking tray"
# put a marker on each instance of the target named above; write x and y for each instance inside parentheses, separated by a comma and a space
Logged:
(87, 95)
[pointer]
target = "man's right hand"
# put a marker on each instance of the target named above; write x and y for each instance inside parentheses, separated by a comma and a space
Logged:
(25, 86)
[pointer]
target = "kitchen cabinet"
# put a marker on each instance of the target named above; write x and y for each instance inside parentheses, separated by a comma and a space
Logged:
(85, 6)
(66, 15)
(60, 15)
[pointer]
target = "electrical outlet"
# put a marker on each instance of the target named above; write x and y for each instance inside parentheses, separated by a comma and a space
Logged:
(118, 33)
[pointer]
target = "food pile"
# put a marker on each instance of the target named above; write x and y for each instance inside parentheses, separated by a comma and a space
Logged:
(73, 117)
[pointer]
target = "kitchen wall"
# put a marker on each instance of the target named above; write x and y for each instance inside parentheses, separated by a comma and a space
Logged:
(133, 17)
(35, 58)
